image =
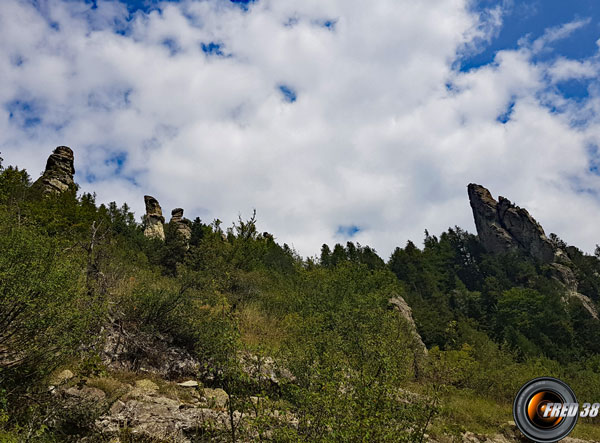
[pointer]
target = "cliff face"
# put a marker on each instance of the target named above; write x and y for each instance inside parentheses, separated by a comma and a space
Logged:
(59, 172)
(502, 226)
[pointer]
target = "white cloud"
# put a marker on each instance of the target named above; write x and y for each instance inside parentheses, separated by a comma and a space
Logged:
(567, 69)
(558, 33)
(375, 138)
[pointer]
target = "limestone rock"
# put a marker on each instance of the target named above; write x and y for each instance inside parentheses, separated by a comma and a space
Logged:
(189, 384)
(59, 172)
(400, 305)
(565, 275)
(502, 226)
(85, 394)
(154, 219)
(265, 368)
(587, 303)
(216, 398)
(164, 419)
(132, 350)
(182, 225)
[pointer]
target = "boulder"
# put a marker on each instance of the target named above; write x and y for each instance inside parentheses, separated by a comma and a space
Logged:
(216, 398)
(154, 219)
(62, 377)
(59, 172)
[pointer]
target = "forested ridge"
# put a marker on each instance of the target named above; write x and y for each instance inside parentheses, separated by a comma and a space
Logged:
(345, 365)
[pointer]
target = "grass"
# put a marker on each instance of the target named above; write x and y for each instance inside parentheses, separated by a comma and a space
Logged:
(586, 430)
(259, 329)
(465, 411)
(110, 386)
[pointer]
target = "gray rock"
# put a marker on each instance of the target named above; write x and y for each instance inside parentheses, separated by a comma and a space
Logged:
(502, 226)
(216, 398)
(127, 350)
(182, 225)
(565, 275)
(189, 384)
(59, 172)
(154, 219)
(265, 368)
(163, 419)
(86, 393)
(400, 305)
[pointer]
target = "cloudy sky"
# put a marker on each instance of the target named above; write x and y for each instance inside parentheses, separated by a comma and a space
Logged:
(337, 120)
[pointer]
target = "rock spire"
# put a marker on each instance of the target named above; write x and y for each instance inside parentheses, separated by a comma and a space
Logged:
(154, 219)
(59, 172)
(182, 225)
(502, 226)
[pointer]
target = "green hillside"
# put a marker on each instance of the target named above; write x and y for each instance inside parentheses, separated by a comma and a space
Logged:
(349, 366)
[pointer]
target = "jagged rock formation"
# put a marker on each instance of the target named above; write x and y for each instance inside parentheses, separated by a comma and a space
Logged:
(400, 305)
(182, 225)
(154, 219)
(502, 226)
(59, 172)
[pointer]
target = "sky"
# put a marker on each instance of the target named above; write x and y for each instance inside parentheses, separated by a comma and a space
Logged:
(337, 121)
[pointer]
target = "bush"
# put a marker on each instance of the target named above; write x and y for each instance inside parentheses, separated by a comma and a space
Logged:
(45, 314)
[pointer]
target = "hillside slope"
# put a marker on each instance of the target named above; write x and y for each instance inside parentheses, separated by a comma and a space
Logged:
(114, 330)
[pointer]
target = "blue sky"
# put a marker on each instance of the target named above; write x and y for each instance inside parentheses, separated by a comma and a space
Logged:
(336, 120)
(528, 20)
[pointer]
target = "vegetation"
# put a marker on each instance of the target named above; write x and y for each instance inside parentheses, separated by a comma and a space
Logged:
(69, 267)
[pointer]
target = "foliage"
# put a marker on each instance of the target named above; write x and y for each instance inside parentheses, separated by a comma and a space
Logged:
(45, 313)
(353, 371)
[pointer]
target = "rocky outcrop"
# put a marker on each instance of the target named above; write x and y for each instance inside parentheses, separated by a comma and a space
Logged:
(265, 369)
(565, 275)
(181, 225)
(59, 172)
(182, 415)
(400, 305)
(154, 417)
(132, 350)
(154, 219)
(502, 226)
